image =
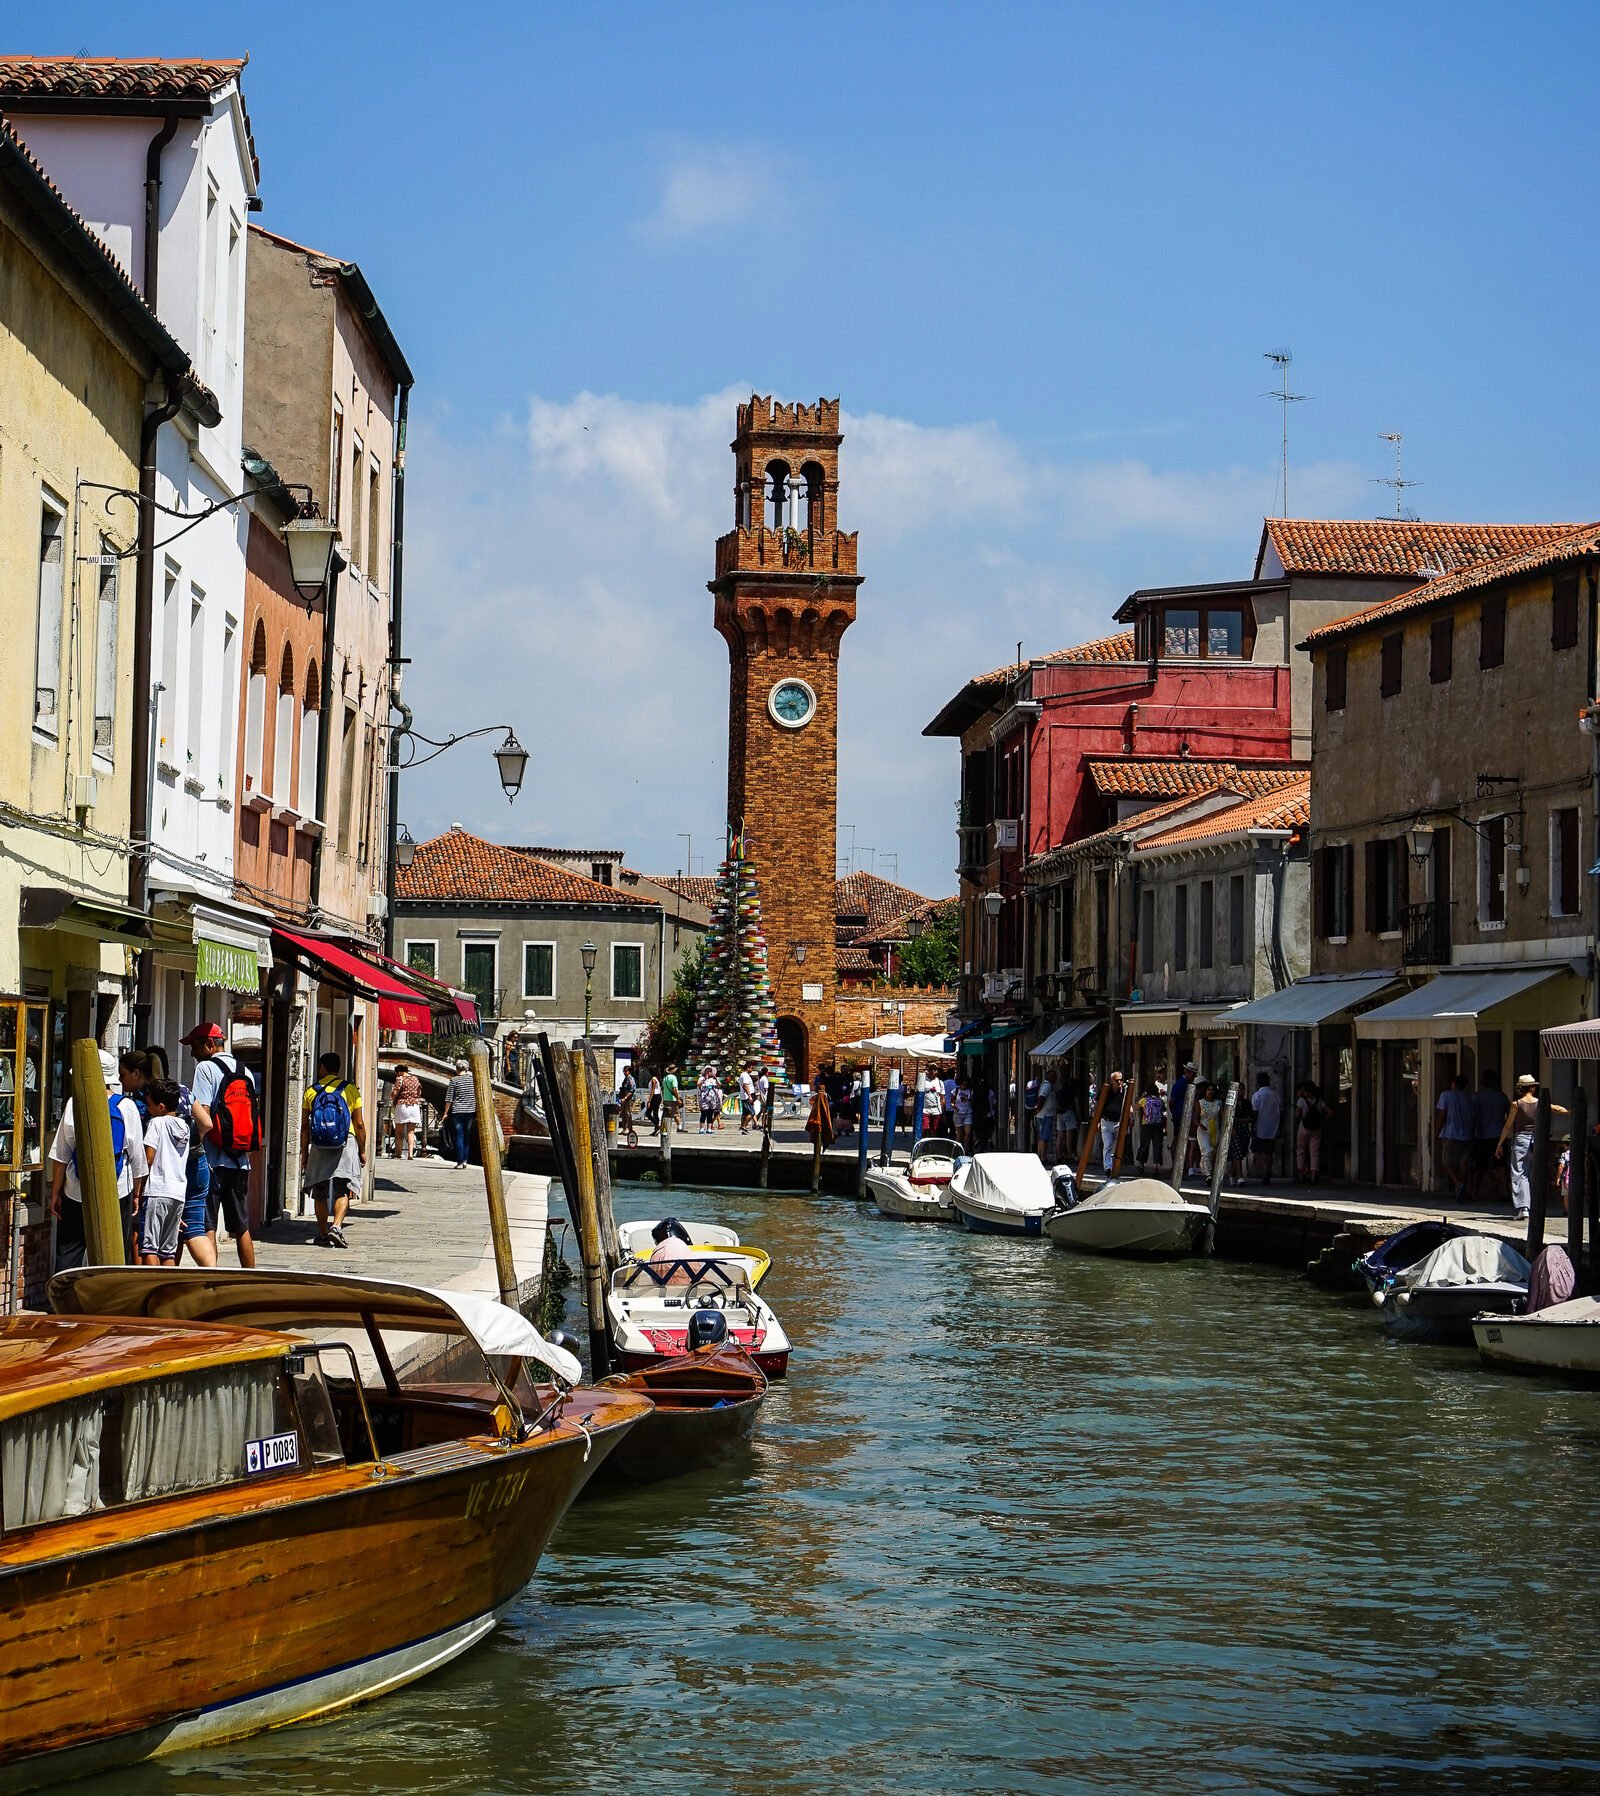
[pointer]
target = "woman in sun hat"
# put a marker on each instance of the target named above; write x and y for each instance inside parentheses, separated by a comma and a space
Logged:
(1517, 1132)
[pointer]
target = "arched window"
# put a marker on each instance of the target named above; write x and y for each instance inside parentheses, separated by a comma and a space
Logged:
(310, 736)
(255, 710)
(811, 474)
(780, 493)
(283, 733)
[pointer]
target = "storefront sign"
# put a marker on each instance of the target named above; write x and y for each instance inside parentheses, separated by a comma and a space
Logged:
(221, 964)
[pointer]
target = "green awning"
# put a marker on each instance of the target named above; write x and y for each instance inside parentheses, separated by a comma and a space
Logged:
(975, 1044)
(226, 966)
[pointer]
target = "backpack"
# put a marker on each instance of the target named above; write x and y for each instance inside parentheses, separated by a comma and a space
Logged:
(236, 1114)
(119, 1135)
(1152, 1110)
(330, 1116)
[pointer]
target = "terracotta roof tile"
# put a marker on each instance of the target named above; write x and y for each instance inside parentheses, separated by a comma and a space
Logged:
(854, 960)
(1394, 547)
(1103, 648)
(1287, 808)
(1577, 542)
(894, 929)
(879, 900)
(459, 865)
(115, 77)
(1142, 778)
(1141, 821)
(698, 890)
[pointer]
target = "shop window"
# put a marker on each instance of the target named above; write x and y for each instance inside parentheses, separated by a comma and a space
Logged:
(1333, 691)
(1441, 649)
(1492, 631)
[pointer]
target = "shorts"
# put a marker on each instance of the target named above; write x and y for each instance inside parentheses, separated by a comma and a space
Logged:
(230, 1198)
(1264, 1145)
(196, 1219)
(1046, 1125)
(160, 1220)
(1454, 1155)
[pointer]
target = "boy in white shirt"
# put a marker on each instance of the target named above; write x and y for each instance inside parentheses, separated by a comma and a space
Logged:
(166, 1147)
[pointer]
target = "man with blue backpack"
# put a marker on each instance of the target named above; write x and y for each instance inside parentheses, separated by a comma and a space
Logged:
(333, 1147)
(66, 1194)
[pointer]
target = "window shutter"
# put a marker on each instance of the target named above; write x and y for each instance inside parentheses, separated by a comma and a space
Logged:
(1441, 649)
(1492, 631)
(1393, 648)
(1334, 677)
(1564, 610)
(1373, 861)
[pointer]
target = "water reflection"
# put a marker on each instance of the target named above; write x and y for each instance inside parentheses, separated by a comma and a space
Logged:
(1026, 1522)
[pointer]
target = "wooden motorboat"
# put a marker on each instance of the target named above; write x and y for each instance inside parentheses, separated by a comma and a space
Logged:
(919, 1191)
(1132, 1216)
(649, 1304)
(1003, 1194)
(706, 1404)
(212, 1524)
(1565, 1337)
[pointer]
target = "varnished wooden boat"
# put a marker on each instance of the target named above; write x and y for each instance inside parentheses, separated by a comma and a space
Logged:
(706, 1404)
(203, 1536)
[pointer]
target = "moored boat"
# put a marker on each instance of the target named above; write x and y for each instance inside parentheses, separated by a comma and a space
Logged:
(226, 1504)
(1563, 1338)
(1439, 1296)
(706, 1405)
(1406, 1247)
(1132, 1216)
(918, 1191)
(639, 1240)
(1003, 1194)
(650, 1303)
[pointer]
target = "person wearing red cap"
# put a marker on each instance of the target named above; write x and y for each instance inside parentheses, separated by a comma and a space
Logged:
(230, 1167)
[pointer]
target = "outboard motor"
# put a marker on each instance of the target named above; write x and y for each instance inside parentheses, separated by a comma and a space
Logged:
(565, 1338)
(707, 1328)
(1064, 1187)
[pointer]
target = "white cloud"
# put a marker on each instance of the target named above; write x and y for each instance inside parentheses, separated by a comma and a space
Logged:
(556, 581)
(706, 189)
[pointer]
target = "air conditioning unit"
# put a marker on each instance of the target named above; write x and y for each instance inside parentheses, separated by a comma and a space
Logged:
(377, 905)
(85, 792)
(1006, 833)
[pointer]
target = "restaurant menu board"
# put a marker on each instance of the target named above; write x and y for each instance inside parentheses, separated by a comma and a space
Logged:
(23, 1097)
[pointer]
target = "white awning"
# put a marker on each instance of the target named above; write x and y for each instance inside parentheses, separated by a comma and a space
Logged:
(1572, 1041)
(1309, 1002)
(1451, 1004)
(1211, 1019)
(1151, 1019)
(1065, 1039)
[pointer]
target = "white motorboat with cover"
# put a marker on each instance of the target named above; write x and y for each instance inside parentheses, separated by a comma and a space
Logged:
(1563, 1338)
(1135, 1216)
(650, 1304)
(918, 1191)
(1003, 1194)
(1405, 1247)
(1466, 1276)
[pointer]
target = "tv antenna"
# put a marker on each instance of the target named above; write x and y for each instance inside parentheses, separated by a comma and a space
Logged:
(1395, 480)
(1281, 358)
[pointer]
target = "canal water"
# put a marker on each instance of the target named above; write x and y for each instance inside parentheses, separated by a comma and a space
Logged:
(1021, 1521)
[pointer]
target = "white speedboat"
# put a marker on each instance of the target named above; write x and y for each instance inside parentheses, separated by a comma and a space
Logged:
(1465, 1277)
(650, 1302)
(1137, 1216)
(637, 1239)
(1003, 1194)
(918, 1191)
(1563, 1338)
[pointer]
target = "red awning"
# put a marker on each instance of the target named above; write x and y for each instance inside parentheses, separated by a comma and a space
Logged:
(447, 1001)
(400, 1006)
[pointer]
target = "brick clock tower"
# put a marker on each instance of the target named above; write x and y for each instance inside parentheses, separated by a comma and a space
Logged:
(785, 594)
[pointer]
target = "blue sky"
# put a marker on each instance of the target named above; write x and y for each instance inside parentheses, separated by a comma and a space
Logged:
(1038, 251)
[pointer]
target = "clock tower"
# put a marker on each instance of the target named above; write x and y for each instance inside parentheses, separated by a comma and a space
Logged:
(785, 594)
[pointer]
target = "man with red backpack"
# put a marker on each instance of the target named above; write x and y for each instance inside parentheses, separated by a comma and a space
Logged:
(227, 1115)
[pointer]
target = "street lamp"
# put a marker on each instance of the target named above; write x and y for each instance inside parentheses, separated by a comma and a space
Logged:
(512, 759)
(798, 950)
(587, 954)
(992, 904)
(405, 847)
(311, 541)
(1420, 839)
(915, 924)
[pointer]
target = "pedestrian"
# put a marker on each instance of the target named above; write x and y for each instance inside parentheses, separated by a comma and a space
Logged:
(1489, 1107)
(961, 1114)
(1111, 1121)
(333, 1147)
(932, 1104)
(1046, 1114)
(1515, 1145)
(460, 1107)
(710, 1099)
(819, 1124)
(407, 1097)
(747, 1100)
(1452, 1129)
(763, 1095)
(194, 1232)
(1207, 1125)
(627, 1091)
(166, 1151)
(1311, 1116)
(652, 1107)
(127, 1152)
(133, 1074)
(227, 1112)
(669, 1097)
(1176, 1100)
(1267, 1112)
(1152, 1127)
(1067, 1120)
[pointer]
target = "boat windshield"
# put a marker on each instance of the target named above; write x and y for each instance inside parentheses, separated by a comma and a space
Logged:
(156, 1438)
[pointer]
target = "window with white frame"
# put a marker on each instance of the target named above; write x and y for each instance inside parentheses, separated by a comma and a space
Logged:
(167, 704)
(52, 593)
(230, 684)
(627, 970)
(357, 489)
(538, 969)
(105, 656)
(310, 735)
(480, 974)
(197, 680)
(255, 709)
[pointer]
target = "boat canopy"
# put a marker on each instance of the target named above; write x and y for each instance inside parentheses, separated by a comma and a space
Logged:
(1017, 1182)
(1467, 1260)
(271, 1297)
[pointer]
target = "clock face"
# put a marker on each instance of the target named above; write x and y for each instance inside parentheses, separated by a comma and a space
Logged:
(792, 703)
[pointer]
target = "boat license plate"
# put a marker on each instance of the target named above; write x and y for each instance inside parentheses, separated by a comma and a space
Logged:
(273, 1453)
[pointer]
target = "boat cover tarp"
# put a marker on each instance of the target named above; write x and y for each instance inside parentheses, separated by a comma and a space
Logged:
(1468, 1260)
(1137, 1194)
(1576, 1312)
(1553, 1280)
(1016, 1182)
(273, 1297)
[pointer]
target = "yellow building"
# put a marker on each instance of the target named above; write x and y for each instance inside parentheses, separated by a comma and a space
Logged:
(82, 360)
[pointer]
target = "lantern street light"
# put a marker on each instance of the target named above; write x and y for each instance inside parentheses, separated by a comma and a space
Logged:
(405, 847)
(1420, 840)
(587, 954)
(915, 924)
(992, 904)
(312, 543)
(512, 759)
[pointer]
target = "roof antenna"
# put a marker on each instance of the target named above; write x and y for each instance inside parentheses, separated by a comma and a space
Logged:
(1282, 358)
(1397, 438)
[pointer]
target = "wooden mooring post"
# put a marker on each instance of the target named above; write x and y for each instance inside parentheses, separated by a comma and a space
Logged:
(1219, 1154)
(494, 1183)
(1539, 1175)
(97, 1164)
(766, 1132)
(1092, 1134)
(1578, 1182)
(1180, 1144)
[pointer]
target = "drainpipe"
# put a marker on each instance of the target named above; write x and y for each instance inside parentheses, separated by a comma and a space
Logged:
(330, 613)
(396, 593)
(152, 206)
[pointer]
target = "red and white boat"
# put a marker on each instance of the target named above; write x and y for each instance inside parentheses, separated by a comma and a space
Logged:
(650, 1302)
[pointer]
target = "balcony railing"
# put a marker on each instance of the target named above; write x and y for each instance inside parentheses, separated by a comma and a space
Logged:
(997, 987)
(974, 851)
(1426, 938)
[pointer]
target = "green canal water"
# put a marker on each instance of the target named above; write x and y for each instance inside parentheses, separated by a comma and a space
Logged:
(1021, 1521)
